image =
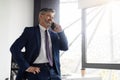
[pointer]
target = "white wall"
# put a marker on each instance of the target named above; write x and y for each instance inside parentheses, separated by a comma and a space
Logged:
(90, 3)
(14, 16)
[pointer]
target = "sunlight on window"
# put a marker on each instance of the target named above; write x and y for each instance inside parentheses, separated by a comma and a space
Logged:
(103, 37)
(70, 19)
(103, 34)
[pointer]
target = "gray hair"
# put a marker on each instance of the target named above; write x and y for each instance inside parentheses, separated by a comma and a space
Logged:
(45, 10)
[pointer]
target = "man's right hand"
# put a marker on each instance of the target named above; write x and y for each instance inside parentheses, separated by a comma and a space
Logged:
(33, 70)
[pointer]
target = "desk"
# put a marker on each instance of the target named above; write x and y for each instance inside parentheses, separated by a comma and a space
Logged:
(79, 77)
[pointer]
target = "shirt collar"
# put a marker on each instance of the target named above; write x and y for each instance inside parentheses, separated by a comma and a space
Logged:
(42, 28)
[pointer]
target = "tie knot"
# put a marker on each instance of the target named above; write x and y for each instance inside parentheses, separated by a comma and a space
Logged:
(46, 32)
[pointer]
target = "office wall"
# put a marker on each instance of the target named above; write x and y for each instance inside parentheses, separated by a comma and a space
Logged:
(14, 16)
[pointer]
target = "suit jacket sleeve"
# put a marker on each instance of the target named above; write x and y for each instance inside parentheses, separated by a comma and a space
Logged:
(16, 50)
(63, 41)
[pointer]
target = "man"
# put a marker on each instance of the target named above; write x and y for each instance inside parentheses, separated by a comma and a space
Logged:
(34, 63)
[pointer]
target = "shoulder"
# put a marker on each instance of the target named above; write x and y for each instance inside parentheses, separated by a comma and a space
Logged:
(32, 28)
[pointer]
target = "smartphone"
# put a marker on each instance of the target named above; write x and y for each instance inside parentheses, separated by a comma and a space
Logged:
(52, 26)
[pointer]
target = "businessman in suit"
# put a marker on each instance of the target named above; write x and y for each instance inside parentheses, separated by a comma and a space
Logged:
(34, 63)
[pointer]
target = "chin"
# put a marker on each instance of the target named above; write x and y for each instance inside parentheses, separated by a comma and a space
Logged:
(49, 24)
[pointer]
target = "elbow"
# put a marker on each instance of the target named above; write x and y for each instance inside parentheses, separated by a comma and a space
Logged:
(65, 48)
(11, 49)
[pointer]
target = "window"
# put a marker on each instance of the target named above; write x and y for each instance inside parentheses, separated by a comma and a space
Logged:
(70, 19)
(102, 36)
(100, 47)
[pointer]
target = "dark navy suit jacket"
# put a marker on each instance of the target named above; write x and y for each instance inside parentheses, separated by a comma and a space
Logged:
(31, 41)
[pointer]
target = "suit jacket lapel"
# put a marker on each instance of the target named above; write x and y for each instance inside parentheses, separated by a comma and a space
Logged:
(38, 36)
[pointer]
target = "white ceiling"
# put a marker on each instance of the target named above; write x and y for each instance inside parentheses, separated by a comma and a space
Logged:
(90, 3)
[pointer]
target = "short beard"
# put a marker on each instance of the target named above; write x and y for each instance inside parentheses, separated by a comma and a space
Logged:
(49, 24)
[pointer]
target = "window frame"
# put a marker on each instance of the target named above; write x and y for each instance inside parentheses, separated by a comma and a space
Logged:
(84, 49)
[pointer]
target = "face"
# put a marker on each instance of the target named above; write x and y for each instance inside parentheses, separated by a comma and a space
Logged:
(47, 19)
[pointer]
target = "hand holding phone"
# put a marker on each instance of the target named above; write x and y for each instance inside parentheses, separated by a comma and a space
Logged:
(56, 27)
(53, 26)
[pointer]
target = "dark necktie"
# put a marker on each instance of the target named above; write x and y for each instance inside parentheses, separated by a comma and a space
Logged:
(49, 56)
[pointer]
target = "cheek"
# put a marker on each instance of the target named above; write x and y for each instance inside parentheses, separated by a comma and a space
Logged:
(48, 18)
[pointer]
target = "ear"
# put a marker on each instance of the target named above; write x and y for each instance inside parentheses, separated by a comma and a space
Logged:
(40, 16)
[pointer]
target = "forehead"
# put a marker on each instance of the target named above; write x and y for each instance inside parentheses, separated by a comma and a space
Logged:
(49, 14)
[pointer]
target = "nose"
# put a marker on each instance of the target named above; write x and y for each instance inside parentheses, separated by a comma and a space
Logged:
(51, 20)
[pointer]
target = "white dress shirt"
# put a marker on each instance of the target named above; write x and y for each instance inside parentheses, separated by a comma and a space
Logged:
(42, 58)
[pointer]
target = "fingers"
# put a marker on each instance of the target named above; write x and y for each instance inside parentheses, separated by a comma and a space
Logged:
(58, 28)
(37, 70)
(33, 70)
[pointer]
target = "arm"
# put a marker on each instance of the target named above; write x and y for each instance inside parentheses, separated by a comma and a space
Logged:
(62, 37)
(63, 41)
(16, 50)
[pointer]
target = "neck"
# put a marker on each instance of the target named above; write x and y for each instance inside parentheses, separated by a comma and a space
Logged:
(44, 25)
